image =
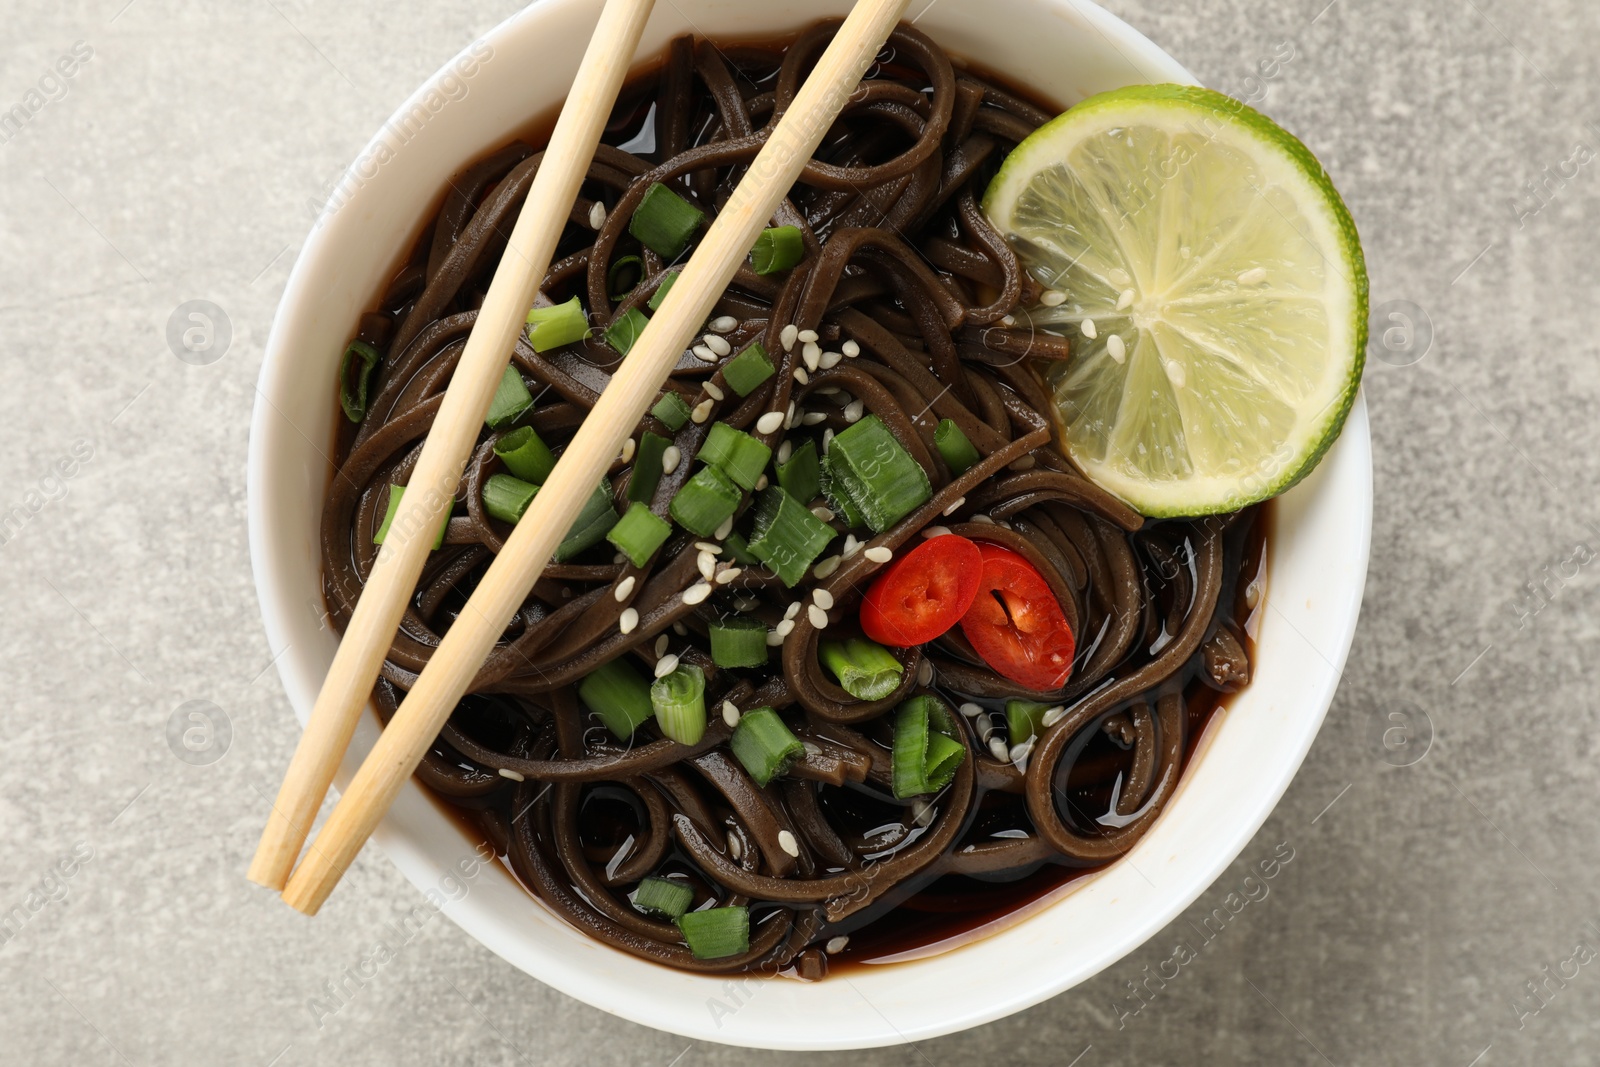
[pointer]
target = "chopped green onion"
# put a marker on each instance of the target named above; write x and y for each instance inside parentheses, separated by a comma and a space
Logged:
(625, 329)
(953, 445)
(664, 221)
(778, 248)
(801, 477)
(623, 275)
(865, 669)
(511, 399)
(833, 490)
(615, 692)
(395, 493)
(738, 641)
(663, 897)
(639, 533)
(679, 700)
(748, 369)
(672, 409)
(878, 473)
(353, 395)
(525, 455)
(927, 750)
(786, 536)
(647, 467)
(716, 932)
(764, 744)
(738, 455)
(553, 327)
(737, 549)
(705, 502)
(506, 497)
(661, 290)
(594, 521)
(1024, 719)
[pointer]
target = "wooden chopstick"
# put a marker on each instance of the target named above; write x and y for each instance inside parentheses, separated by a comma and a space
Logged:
(504, 586)
(366, 640)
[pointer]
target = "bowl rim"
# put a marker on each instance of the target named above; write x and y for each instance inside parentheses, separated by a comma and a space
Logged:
(279, 606)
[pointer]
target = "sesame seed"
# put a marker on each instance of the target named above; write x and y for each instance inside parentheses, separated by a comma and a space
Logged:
(785, 628)
(812, 354)
(981, 517)
(836, 944)
(827, 440)
(704, 354)
(1024, 463)
(630, 619)
(879, 554)
(801, 376)
(790, 418)
(788, 335)
(1020, 752)
(1053, 298)
(761, 483)
(792, 610)
(812, 751)
(997, 749)
(1116, 348)
(854, 410)
(935, 531)
(669, 458)
(719, 345)
(507, 772)
(774, 639)
(1088, 329)
(624, 589)
(730, 714)
(785, 450)
(1253, 276)
(724, 324)
(707, 564)
(714, 391)
(1053, 716)
(734, 848)
(1124, 299)
(954, 505)
(851, 545)
(787, 842)
(770, 422)
(984, 724)
(812, 418)
(666, 665)
(746, 603)
(721, 532)
(823, 598)
(818, 617)
(830, 360)
(597, 215)
(1008, 321)
(696, 593)
(807, 335)
(921, 812)
(702, 411)
(971, 710)
(1252, 595)
(661, 646)
(708, 546)
(1176, 374)
(826, 568)
(728, 574)
(680, 629)
(822, 513)
(850, 349)
(924, 672)
(627, 449)
(1119, 276)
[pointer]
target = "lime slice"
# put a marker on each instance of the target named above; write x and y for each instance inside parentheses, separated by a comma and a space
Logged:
(1213, 285)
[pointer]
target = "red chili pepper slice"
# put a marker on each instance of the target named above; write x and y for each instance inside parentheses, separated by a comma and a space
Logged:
(923, 593)
(1016, 624)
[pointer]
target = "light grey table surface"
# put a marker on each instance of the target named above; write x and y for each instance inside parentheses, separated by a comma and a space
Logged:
(1422, 900)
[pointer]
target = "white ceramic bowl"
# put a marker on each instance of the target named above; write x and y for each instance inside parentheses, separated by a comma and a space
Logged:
(1066, 48)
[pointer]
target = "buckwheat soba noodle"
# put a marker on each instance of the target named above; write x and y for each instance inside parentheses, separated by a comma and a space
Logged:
(867, 388)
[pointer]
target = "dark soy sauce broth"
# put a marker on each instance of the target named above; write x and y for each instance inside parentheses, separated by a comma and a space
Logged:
(927, 914)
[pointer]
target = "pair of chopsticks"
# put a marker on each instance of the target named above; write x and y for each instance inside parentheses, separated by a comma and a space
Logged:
(599, 438)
